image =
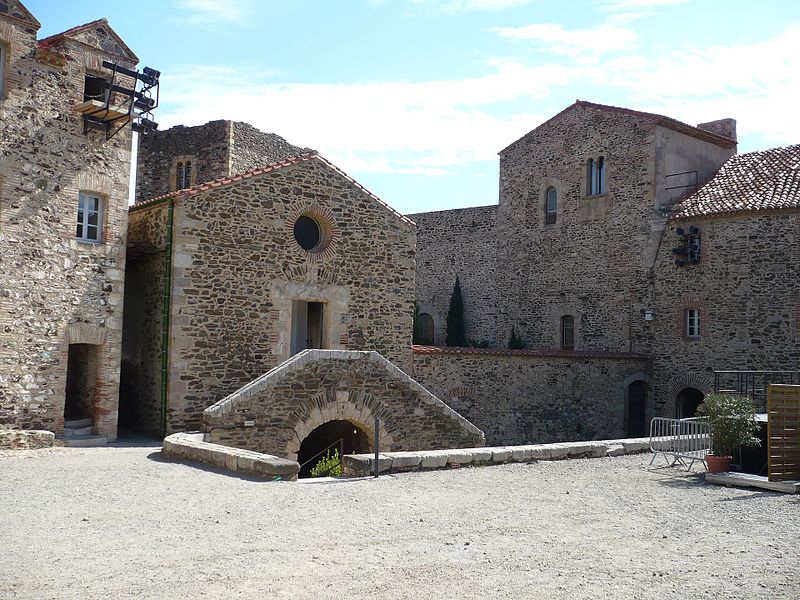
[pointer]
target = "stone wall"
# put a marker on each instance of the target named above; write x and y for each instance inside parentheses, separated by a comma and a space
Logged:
(142, 342)
(217, 149)
(54, 289)
(275, 413)
(237, 270)
(523, 397)
(746, 289)
(458, 243)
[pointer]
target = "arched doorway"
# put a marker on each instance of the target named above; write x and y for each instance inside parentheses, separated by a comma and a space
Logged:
(339, 435)
(687, 402)
(636, 422)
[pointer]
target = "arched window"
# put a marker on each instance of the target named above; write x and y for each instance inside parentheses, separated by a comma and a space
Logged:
(550, 206)
(187, 174)
(567, 332)
(590, 177)
(425, 329)
(179, 176)
(601, 176)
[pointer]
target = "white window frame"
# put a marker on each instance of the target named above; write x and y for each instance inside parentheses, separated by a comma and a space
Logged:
(692, 322)
(83, 216)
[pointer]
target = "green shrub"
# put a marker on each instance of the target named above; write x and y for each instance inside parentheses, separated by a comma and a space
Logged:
(329, 465)
(733, 422)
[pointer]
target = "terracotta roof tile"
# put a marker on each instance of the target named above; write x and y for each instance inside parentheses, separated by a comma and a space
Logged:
(270, 168)
(542, 353)
(764, 180)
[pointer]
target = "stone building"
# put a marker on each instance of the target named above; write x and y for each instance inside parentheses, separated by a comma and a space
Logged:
(229, 278)
(578, 257)
(63, 219)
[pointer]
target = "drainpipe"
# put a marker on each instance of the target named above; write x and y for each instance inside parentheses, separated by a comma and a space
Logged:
(165, 306)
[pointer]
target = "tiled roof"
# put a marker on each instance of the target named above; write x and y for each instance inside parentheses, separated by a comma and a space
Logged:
(764, 180)
(90, 25)
(651, 118)
(542, 353)
(270, 168)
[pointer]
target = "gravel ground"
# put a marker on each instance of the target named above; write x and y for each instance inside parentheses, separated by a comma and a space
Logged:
(124, 522)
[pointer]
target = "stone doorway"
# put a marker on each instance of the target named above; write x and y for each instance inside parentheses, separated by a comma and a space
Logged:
(687, 402)
(81, 388)
(345, 436)
(307, 325)
(636, 422)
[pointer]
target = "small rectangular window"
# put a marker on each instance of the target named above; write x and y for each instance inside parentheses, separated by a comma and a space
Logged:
(90, 213)
(95, 88)
(692, 322)
(567, 332)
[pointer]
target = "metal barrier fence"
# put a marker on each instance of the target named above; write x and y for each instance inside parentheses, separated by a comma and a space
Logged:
(682, 439)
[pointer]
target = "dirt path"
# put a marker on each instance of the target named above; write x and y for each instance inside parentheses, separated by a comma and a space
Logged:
(122, 523)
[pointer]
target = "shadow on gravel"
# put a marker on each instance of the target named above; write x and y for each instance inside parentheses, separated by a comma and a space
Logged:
(160, 457)
(750, 496)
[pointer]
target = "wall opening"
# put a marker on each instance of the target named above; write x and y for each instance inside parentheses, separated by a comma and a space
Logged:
(307, 325)
(81, 389)
(95, 88)
(344, 436)
(687, 402)
(636, 422)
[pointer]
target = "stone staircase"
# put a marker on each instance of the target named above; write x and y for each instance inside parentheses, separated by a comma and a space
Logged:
(80, 434)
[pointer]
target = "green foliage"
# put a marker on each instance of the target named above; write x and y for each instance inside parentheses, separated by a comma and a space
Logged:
(733, 422)
(329, 465)
(416, 335)
(455, 318)
(515, 340)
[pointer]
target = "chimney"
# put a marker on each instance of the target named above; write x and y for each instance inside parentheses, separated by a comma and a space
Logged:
(723, 127)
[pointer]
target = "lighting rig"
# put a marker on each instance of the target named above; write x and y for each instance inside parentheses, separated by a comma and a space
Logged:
(688, 250)
(123, 103)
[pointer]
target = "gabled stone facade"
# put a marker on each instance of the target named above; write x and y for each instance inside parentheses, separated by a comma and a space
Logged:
(241, 292)
(60, 297)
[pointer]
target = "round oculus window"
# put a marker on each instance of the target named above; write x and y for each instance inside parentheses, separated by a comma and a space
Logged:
(307, 232)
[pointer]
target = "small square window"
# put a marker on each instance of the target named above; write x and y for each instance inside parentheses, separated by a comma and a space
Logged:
(90, 218)
(692, 321)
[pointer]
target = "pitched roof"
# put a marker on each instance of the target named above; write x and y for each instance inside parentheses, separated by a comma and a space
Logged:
(73, 31)
(270, 168)
(764, 180)
(24, 15)
(650, 118)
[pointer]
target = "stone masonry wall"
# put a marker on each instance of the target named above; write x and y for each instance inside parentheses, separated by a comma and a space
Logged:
(54, 289)
(237, 269)
(746, 289)
(459, 243)
(526, 397)
(318, 386)
(140, 390)
(217, 149)
(253, 148)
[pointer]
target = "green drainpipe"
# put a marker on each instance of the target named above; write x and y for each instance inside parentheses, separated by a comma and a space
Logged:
(165, 318)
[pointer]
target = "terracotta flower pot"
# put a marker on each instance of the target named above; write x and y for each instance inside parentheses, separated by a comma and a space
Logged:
(718, 464)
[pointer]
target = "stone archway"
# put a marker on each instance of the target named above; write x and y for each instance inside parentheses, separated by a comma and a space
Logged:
(701, 383)
(342, 409)
(687, 401)
(637, 393)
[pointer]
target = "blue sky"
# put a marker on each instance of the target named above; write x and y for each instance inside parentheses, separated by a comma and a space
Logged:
(414, 98)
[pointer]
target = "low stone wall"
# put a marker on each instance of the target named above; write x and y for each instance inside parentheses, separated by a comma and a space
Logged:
(193, 447)
(357, 465)
(534, 396)
(26, 439)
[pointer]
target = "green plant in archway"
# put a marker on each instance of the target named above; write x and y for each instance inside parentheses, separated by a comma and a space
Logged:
(329, 465)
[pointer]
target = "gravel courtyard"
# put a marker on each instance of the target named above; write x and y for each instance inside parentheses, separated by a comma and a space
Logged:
(124, 522)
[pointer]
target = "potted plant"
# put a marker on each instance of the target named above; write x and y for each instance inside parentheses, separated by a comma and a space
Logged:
(733, 424)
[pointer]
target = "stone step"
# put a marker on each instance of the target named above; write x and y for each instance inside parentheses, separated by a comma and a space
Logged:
(70, 432)
(85, 441)
(77, 424)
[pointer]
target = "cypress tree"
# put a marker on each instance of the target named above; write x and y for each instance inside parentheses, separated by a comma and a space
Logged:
(416, 334)
(515, 340)
(455, 318)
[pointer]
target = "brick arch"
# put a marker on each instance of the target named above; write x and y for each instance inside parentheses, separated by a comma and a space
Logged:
(342, 408)
(438, 322)
(690, 380)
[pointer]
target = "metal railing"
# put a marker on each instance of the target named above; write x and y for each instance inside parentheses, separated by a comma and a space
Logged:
(753, 383)
(682, 439)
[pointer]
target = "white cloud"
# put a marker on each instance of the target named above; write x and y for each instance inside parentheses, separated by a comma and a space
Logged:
(462, 6)
(210, 13)
(595, 41)
(616, 5)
